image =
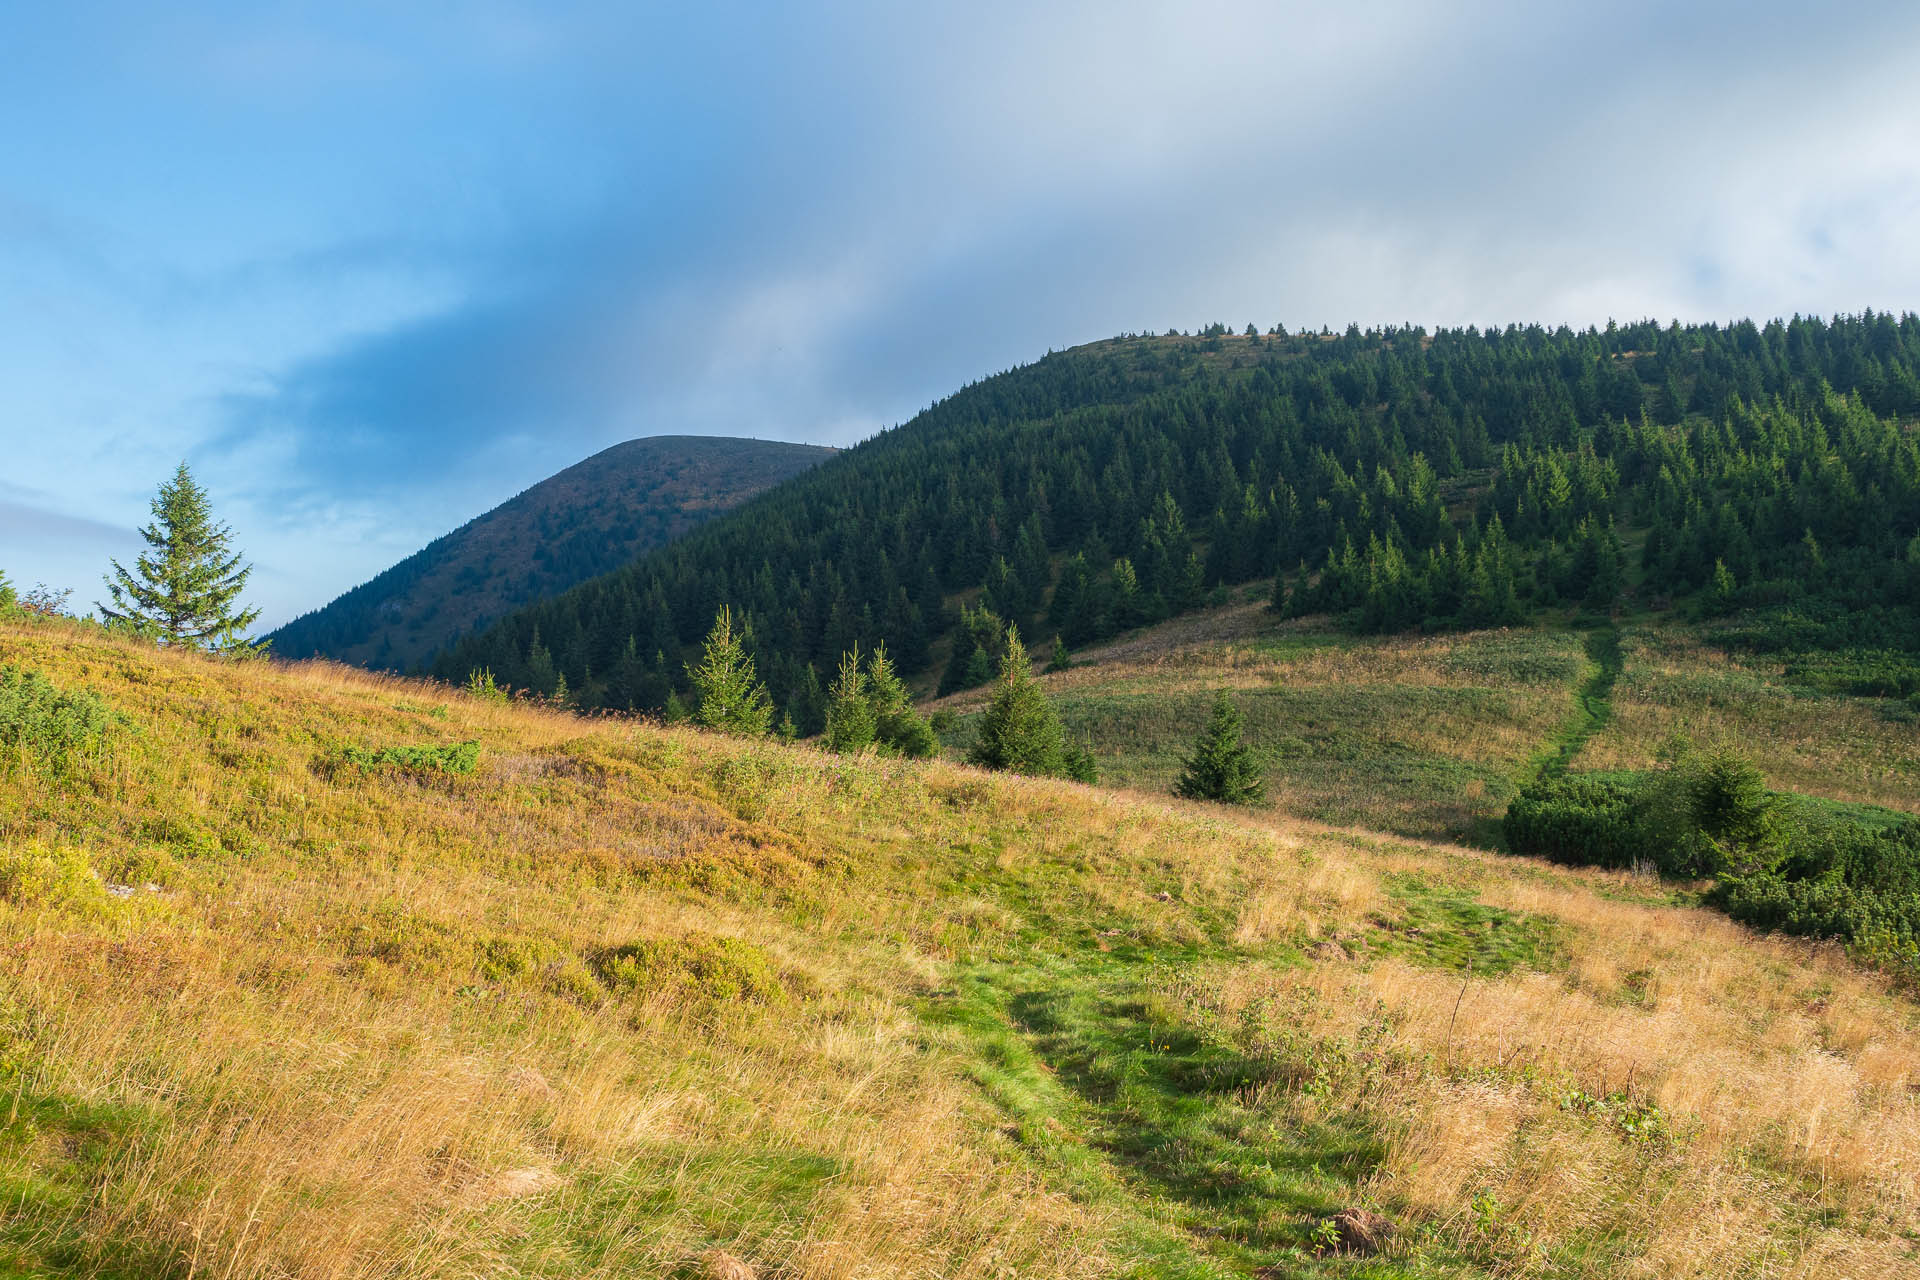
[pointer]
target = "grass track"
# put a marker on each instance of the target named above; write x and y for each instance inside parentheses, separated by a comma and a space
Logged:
(1592, 705)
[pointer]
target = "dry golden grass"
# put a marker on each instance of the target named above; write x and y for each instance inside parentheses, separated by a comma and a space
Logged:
(1422, 735)
(1785, 1083)
(363, 1026)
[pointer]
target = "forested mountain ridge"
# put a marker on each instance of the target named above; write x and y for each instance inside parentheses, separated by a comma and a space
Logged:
(581, 522)
(1399, 478)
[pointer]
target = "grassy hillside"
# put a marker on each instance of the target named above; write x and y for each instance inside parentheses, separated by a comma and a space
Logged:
(600, 998)
(589, 519)
(1430, 736)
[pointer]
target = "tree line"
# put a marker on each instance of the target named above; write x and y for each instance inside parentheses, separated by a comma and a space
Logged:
(1397, 477)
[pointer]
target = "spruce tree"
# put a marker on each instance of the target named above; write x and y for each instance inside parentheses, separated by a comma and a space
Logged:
(1077, 761)
(897, 727)
(1720, 595)
(732, 699)
(850, 719)
(183, 591)
(1020, 732)
(1222, 767)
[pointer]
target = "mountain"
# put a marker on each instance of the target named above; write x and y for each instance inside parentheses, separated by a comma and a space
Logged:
(1394, 479)
(591, 518)
(311, 975)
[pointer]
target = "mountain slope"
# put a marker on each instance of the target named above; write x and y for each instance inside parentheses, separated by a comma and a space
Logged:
(1400, 479)
(584, 521)
(595, 998)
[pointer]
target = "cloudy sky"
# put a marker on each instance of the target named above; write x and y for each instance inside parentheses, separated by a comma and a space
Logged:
(371, 273)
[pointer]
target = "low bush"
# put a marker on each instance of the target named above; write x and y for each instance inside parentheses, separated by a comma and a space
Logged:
(727, 969)
(33, 875)
(1578, 818)
(1867, 673)
(457, 757)
(1781, 862)
(45, 726)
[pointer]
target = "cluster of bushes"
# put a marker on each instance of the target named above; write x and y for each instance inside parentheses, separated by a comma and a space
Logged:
(1864, 673)
(1778, 862)
(50, 728)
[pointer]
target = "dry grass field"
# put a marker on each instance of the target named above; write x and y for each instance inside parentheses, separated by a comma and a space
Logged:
(1430, 736)
(631, 1001)
(1418, 735)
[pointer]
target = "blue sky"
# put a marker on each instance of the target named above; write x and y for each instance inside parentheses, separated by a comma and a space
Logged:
(372, 269)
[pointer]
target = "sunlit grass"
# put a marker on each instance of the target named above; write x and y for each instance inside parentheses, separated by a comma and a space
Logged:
(625, 994)
(1423, 736)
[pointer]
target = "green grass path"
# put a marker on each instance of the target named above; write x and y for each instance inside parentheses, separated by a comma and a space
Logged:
(1592, 705)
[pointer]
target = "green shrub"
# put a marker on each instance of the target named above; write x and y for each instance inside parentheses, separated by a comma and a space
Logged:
(481, 684)
(1700, 814)
(41, 724)
(717, 968)
(1578, 818)
(1869, 900)
(1783, 863)
(33, 875)
(457, 757)
(1869, 673)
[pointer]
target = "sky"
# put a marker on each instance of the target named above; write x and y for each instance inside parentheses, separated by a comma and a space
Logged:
(372, 269)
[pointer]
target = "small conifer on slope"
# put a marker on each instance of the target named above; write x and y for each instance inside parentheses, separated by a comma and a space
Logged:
(850, 719)
(1222, 767)
(897, 727)
(870, 706)
(183, 591)
(732, 699)
(1020, 732)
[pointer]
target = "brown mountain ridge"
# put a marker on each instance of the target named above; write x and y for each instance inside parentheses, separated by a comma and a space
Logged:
(586, 520)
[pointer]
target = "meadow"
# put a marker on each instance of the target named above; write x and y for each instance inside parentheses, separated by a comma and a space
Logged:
(1415, 735)
(1431, 736)
(313, 973)
(1863, 750)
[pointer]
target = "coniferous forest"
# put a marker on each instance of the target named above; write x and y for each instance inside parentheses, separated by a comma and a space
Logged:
(1397, 478)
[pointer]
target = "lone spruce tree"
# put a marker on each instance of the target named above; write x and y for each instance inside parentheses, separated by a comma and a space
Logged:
(1020, 732)
(732, 699)
(1221, 766)
(183, 591)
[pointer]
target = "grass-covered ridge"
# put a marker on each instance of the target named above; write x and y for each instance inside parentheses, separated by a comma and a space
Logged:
(622, 995)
